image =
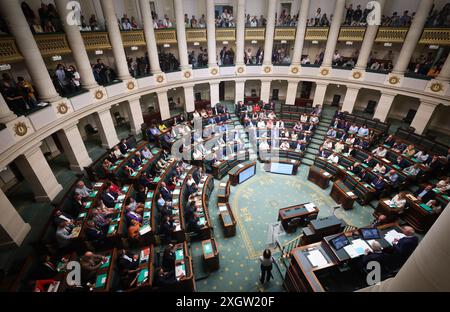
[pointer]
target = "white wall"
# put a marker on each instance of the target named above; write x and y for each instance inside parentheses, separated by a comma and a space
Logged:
(439, 120)
(364, 96)
(333, 89)
(401, 105)
(7, 179)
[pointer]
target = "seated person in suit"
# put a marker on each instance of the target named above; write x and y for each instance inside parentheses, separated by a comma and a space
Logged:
(145, 180)
(331, 133)
(101, 219)
(165, 278)
(404, 247)
(109, 198)
(422, 156)
(434, 204)
(363, 131)
(164, 191)
(378, 183)
(63, 234)
(425, 193)
(93, 233)
(393, 177)
(133, 229)
(443, 185)
(46, 268)
(146, 154)
(369, 161)
(82, 189)
(60, 216)
(198, 175)
(123, 146)
(323, 152)
(168, 259)
(333, 158)
(400, 162)
(118, 153)
(106, 165)
(399, 146)
(141, 194)
(128, 170)
(300, 146)
(412, 170)
(434, 163)
(339, 147)
(328, 144)
(376, 254)
(379, 168)
(284, 145)
(363, 175)
(133, 164)
(409, 151)
(390, 140)
(76, 206)
(90, 263)
(132, 205)
(128, 265)
(353, 129)
(167, 227)
(380, 151)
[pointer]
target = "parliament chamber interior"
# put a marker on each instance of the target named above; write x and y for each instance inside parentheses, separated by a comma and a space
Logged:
(224, 145)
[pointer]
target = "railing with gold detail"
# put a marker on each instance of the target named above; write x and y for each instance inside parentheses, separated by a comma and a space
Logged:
(52, 44)
(284, 33)
(133, 38)
(437, 36)
(316, 33)
(8, 51)
(391, 34)
(96, 40)
(196, 35)
(351, 34)
(224, 34)
(255, 33)
(167, 35)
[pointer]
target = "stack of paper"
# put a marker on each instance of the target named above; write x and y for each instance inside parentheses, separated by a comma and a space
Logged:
(310, 207)
(392, 235)
(356, 248)
(316, 258)
(326, 174)
(223, 208)
(350, 194)
(145, 229)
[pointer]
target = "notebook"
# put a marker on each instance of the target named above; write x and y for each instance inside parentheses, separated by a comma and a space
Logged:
(106, 264)
(101, 280)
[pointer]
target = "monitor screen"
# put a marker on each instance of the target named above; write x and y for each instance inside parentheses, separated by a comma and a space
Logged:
(370, 233)
(340, 241)
(246, 174)
(281, 168)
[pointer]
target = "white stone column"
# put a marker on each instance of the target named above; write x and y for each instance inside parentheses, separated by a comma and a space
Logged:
(413, 36)
(291, 93)
(36, 170)
(135, 116)
(74, 148)
(270, 30)
(300, 33)
(6, 115)
(426, 270)
(214, 95)
(384, 106)
(333, 33)
(319, 93)
(367, 44)
(239, 91)
(163, 102)
(211, 33)
(189, 99)
(350, 99)
(106, 129)
(149, 33)
(181, 35)
(17, 24)
(13, 228)
(77, 46)
(265, 90)
(240, 33)
(115, 38)
(423, 116)
(49, 145)
(444, 75)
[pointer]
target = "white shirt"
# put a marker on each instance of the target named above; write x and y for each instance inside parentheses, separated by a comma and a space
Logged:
(333, 159)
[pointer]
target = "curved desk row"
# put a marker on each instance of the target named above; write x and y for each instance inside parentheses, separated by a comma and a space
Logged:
(241, 172)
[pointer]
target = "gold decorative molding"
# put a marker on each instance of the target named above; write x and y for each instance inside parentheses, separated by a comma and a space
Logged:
(196, 35)
(316, 33)
(255, 33)
(394, 80)
(225, 34)
(96, 40)
(351, 33)
(187, 74)
(295, 70)
(62, 108)
(435, 36)
(240, 70)
(52, 44)
(160, 78)
(99, 94)
(133, 38)
(324, 71)
(391, 34)
(9, 53)
(284, 33)
(20, 128)
(214, 71)
(356, 75)
(163, 36)
(130, 85)
(436, 87)
(267, 69)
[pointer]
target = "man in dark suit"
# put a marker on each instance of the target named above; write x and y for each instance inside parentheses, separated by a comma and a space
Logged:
(377, 255)
(434, 163)
(405, 246)
(76, 206)
(378, 183)
(363, 175)
(123, 146)
(424, 194)
(401, 162)
(369, 161)
(166, 228)
(108, 199)
(164, 191)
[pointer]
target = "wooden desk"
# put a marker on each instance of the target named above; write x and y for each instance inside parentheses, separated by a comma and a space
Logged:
(341, 194)
(105, 272)
(319, 176)
(146, 268)
(183, 267)
(319, 228)
(227, 219)
(390, 211)
(234, 174)
(420, 216)
(210, 254)
(223, 192)
(295, 164)
(285, 215)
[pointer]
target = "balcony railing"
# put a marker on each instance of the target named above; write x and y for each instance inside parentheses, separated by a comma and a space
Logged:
(316, 33)
(255, 33)
(133, 38)
(284, 33)
(351, 34)
(391, 34)
(166, 35)
(52, 44)
(8, 51)
(196, 35)
(225, 34)
(96, 40)
(436, 36)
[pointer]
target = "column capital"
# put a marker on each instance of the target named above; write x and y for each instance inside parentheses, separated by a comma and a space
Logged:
(70, 126)
(32, 149)
(429, 103)
(134, 98)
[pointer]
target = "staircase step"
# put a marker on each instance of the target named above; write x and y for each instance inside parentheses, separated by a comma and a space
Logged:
(307, 162)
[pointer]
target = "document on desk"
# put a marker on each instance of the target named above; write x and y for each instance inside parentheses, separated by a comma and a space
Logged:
(392, 235)
(326, 174)
(316, 258)
(222, 184)
(223, 208)
(356, 248)
(350, 194)
(310, 207)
